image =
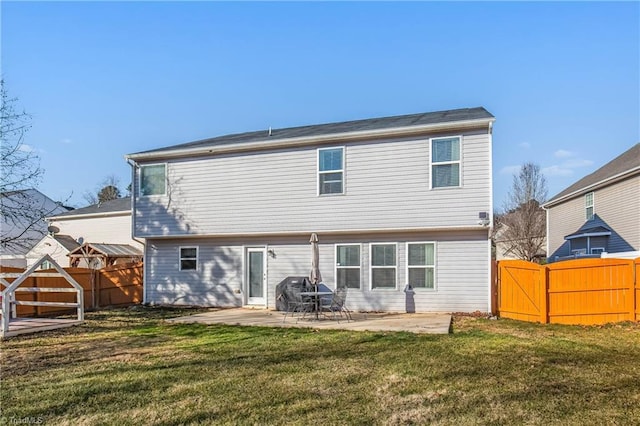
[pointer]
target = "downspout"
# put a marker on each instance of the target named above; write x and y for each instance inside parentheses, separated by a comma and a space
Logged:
(134, 166)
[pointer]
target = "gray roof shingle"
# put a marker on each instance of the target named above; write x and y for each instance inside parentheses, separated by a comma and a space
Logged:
(463, 114)
(67, 241)
(625, 162)
(112, 206)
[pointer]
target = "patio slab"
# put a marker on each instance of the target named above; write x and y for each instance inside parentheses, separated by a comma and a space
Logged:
(431, 323)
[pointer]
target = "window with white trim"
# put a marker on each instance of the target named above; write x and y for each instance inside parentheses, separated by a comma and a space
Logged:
(588, 205)
(421, 265)
(445, 162)
(383, 265)
(153, 179)
(330, 171)
(348, 266)
(188, 258)
(597, 250)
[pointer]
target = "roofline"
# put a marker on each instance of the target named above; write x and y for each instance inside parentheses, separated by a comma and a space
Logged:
(588, 234)
(319, 232)
(309, 140)
(90, 215)
(603, 182)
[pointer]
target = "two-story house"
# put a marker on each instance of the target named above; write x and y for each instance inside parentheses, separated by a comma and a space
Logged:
(394, 201)
(600, 213)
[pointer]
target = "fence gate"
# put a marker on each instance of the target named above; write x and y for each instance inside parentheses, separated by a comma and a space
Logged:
(521, 292)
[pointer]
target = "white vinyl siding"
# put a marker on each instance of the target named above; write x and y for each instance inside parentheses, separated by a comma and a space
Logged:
(153, 179)
(588, 205)
(348, 266)
(112, 229)
(446, 162)
(277, 192)
(421, 265)
(331, 171)
(384, 266)
(220, 276)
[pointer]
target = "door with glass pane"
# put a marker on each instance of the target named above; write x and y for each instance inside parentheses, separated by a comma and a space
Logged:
(256, 276)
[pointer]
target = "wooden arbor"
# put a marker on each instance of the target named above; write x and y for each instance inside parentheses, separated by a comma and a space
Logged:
(10, 325)
(97, 256)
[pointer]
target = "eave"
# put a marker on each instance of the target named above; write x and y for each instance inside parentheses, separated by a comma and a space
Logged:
(312, 140)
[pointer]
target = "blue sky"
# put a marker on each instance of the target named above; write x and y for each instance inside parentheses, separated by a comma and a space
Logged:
(105, 79)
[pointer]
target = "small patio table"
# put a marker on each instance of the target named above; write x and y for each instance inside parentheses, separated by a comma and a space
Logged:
(316, 296)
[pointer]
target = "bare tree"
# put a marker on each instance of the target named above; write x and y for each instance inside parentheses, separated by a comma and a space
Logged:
(22, 208)
(521, 227)
(108, 189)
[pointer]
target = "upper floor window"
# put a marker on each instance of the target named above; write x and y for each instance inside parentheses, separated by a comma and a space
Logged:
(445, 162)
(348, 266)
(188, 258)
(588, 204)
(383, 266)
(330, 171)
(421, 265)
(153, 179)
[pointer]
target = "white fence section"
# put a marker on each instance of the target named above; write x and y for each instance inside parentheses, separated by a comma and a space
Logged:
(8, 295)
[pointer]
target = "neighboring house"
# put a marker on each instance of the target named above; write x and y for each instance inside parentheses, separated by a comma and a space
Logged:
(599, 213)
(505, 245)
(55, 245)
(23, 223)
(105, 225)
(394, 201)
(520, 234)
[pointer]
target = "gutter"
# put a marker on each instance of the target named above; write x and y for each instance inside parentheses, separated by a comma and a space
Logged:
(310, 140)
(603, 182)
(321, 232)
(90, 215)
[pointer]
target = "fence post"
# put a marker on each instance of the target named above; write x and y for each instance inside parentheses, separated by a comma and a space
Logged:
(632, 288)
(98, 288)
(544, 294)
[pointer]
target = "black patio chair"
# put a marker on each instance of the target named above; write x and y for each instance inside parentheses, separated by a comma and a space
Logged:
(335, 305)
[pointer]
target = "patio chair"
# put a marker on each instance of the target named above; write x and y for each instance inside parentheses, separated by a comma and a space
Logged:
(297, 304)
(335, 306)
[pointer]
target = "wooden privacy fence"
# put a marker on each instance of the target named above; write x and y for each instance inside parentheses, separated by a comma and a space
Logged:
(584, 291)
(111, 286)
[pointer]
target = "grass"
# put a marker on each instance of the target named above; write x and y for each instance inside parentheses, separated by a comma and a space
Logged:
(128, 366)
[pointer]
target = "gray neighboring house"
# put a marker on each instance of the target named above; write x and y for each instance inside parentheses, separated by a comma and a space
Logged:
(24, 229)
(598, 214)
(394, 201)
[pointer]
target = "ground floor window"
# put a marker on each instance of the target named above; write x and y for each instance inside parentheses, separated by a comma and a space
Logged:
(348, 266)
(384, 265)
(421, 265)
(188, 258)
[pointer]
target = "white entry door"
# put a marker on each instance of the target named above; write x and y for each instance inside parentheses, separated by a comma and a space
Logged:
(256, 276)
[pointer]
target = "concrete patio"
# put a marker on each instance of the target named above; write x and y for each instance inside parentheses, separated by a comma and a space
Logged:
(431, 323)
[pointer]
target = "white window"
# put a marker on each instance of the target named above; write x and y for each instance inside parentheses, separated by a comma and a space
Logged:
(421, 265)
(445, 162)
(588, 204)
(384, 265)
(153, 179)
(348, 266)
(330, 171)
(597, 250)
(188, 258)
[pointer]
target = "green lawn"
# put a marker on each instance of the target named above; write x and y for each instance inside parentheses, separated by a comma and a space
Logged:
(127, 366)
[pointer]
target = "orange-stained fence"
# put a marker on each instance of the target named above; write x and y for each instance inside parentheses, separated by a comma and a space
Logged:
(111, 286)
(583, 291)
